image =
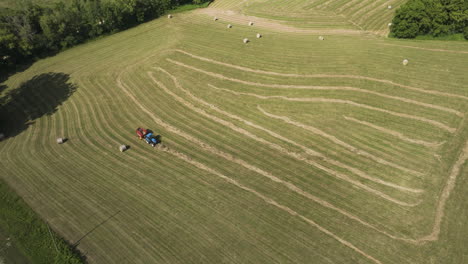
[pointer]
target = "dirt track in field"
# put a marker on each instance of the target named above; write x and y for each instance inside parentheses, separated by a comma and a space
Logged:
(322, 76)
(230, 16)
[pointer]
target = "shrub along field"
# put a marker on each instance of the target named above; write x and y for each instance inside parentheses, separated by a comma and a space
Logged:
(286, 149)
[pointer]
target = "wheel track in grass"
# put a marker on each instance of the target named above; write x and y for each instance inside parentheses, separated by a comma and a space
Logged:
(295, 155)
(394, 133)
(346, 76)
(346, 102)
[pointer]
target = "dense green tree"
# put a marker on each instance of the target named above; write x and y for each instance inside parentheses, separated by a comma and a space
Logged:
(430, 17)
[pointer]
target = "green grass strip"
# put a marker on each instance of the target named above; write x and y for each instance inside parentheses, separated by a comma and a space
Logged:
(30, 234)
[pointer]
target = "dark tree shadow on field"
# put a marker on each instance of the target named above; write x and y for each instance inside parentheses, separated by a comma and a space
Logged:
(33, 99)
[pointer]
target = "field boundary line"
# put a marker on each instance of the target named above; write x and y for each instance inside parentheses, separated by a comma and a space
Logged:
(394, 133)
(242, 68)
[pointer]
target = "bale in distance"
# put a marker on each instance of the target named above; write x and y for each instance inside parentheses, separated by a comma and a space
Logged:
(229, 26)
(251, 23)
(123, 148)
(321, 38)
(246, 40)
(215, 19)
(169, 16)
(61, 140)
(405, 62)
(259, 35)
(389, 7)
(389, 24)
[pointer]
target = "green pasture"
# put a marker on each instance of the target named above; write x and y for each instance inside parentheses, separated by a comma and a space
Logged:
(287, 149)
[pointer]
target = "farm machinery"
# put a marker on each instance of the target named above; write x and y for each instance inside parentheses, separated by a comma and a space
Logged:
(148, 136)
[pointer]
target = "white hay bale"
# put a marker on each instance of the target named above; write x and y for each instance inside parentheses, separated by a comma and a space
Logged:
(389, 7)
(389, 24)
(60, 140)
(215, 19)
(229, 26)
(2, 136)
(321, 38)
(169, 16)
(405, 62)
(123, 148)
(250, 23)
(246, 40)
(259, 35)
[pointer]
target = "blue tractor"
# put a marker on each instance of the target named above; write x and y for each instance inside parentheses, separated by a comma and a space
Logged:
(151, 139)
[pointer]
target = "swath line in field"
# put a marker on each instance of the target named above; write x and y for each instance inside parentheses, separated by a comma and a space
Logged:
(269, 201)
(394, 133)
(297, 156)
(428, 49)
(252, 168)
(330, 88)
(282, 150)
(440, 211)
(336, 140)
(341, 101)
(242, 68)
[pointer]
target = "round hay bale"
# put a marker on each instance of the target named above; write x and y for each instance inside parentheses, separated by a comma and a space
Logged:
(389, 7)
(259, 35)
(246, 40)
(215, 19)
(60, 140)
(250, 23)
(169, 16)
(405, 62)
(2, 136)
(321, 38)
(229, 26)
(123, 148)
(389, 24)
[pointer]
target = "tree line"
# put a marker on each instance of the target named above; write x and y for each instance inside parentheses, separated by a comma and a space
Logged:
(33, 31)
(431, 17)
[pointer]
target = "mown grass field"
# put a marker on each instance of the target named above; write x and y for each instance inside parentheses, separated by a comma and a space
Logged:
(287, 149)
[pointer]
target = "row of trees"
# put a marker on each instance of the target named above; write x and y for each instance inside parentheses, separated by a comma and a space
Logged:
(431, 17)
(33, 31)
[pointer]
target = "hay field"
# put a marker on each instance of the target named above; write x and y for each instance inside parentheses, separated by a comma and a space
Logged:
(287, 149)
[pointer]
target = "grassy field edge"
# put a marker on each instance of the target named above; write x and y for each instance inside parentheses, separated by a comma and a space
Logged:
(31, 235)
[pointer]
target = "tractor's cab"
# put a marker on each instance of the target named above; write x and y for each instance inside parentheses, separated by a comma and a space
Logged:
(151, 139)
